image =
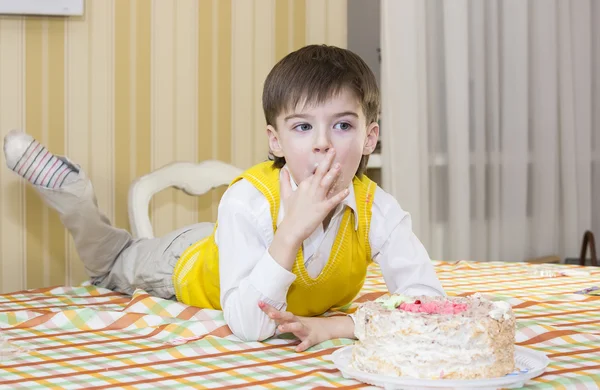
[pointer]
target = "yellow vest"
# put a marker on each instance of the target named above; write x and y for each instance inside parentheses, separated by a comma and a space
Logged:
(196, 274)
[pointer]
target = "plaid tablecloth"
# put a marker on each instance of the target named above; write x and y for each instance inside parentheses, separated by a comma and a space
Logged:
(86, 337)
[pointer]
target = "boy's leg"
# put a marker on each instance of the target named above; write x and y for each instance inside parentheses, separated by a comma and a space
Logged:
(149, 263)
(65, 187)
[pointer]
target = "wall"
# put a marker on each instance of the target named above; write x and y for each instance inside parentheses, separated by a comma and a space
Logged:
(129, 87)
(365, 40)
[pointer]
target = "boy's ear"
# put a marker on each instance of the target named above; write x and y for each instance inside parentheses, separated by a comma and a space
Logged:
(372, 137)
(274, 141)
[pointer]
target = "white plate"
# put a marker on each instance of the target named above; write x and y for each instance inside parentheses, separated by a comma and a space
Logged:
(530, 363)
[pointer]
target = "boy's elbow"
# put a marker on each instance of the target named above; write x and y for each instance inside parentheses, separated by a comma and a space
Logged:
(248, 330)
(250, 333)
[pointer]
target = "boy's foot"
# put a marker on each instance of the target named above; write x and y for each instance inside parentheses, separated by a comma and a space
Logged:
(31, 160)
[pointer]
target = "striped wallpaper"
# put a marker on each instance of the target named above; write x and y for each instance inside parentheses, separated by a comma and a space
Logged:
(133, 85)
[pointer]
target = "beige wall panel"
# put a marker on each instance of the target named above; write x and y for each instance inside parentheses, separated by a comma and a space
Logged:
(243, 83)
(264, 59)
(337, 30)
(100, 16)
(162, 107)
(54, 129)
(12, 115)
(316, 26)
(185, 101)
(78, 142)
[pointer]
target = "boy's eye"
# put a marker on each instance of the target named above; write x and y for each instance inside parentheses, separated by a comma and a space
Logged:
(342, 126)
(303, 127)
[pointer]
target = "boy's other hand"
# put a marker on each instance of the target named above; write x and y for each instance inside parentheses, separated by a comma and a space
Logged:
(315, 197)
(310, 330)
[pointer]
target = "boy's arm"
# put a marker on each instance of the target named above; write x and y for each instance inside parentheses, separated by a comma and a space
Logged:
(285, 246)
(248, 272)
(404, 262)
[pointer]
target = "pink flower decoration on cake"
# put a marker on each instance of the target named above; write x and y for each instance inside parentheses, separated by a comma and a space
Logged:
(433, 307)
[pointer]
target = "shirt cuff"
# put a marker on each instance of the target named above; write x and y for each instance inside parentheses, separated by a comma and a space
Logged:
(351, 315)
(270, 279)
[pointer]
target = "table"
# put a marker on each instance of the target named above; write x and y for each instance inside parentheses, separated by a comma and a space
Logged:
(88, 337)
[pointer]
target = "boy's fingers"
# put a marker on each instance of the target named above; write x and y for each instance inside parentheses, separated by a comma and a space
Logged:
(325, 165)
(329, 182)
(337, 198)
(286, 316)
(273, 313)
(291, 327)
(285, 184)
(304, 345)
(266, 308)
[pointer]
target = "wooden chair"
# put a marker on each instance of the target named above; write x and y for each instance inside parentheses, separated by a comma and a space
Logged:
(192, 178)
(588, 240)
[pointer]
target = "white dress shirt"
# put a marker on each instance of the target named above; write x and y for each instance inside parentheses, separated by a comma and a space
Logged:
(249, 274)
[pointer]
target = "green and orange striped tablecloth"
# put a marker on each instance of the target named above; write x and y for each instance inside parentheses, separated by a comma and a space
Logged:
(86, 337)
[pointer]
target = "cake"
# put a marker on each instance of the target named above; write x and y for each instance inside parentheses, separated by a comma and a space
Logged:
(435, 337)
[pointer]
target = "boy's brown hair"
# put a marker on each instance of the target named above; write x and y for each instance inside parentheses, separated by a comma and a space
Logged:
(313, 74)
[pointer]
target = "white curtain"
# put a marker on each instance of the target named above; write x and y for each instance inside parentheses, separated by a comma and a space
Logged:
(491, 124)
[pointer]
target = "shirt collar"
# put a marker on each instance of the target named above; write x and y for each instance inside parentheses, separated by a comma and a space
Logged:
(349, 201)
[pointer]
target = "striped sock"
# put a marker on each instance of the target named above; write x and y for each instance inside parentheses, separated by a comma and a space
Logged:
(31, 160)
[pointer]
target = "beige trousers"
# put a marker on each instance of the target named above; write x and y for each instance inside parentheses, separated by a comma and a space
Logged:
(112, 257)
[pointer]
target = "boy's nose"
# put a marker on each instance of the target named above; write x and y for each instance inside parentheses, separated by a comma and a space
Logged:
(322, 143)
(321, 150)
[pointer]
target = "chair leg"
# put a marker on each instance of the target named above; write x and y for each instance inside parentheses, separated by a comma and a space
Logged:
(588, 239)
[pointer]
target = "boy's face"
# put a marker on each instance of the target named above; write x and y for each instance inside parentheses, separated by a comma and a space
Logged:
(306, 133)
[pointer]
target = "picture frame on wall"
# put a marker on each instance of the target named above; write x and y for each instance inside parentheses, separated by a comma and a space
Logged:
(42, 7)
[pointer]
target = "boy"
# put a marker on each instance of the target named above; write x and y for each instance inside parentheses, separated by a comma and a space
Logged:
(295, 233)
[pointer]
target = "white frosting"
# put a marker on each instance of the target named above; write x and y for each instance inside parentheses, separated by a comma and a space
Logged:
(501, 310)
(415, 347)
(395, 342)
